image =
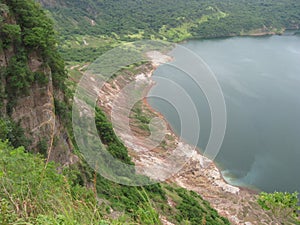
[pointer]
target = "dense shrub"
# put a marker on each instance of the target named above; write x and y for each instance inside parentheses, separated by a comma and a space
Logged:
(13, 132)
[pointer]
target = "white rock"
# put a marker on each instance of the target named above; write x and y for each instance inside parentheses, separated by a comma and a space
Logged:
(158, 58)
(227, 187)
(141, 78)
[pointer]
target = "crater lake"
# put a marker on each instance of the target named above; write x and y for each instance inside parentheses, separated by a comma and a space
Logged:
(260, 80)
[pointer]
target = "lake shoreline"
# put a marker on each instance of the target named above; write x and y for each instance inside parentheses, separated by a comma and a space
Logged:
(198, 173)
(188, 178)
(161, 116)
(247, 81)
(251, 34)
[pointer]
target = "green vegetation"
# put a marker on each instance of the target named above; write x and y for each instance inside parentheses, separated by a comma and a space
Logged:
(25, 30)
(73, 48)
(282, 204)
(128, 20)
(13, 132)
(90, 27)
(108, 137)
(192, 209)
(133, 199)
(29, 60)
(32, 192)
(140, 117)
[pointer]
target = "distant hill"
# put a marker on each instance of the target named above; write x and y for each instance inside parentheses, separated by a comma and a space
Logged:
(89, 28)
(163, 18)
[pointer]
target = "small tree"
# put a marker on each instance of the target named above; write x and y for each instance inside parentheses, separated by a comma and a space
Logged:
(282, 204)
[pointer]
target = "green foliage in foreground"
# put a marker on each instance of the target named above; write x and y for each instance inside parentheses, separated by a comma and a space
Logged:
(283, 205)
(32, 192)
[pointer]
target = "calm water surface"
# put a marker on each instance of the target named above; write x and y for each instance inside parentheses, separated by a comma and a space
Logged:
(260, 78)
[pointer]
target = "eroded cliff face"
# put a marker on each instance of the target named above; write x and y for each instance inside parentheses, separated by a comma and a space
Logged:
(34, 108)
(35, 111)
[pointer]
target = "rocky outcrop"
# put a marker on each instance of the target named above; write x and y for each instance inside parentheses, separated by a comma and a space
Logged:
(35, 111)
(34, 107)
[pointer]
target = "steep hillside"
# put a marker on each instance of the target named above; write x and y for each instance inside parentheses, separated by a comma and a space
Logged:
(32, 82)
(35, 113)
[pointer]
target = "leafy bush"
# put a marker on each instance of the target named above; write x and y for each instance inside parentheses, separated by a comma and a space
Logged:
(281, 204)
(13, 132)
(18, 75)
(10, 33)
(109, 138)
(194, 209)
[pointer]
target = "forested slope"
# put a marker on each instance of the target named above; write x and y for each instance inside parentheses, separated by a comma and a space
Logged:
(125, 17)
(129, 20)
